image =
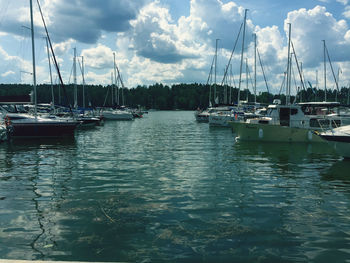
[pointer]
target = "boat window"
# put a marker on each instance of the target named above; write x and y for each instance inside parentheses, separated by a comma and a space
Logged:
(269, 112)
(263, 121)
(9, 108)
(336, 123)
(294, 111)
(317, 123)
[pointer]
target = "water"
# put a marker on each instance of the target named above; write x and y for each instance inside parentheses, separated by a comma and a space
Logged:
(168, 189)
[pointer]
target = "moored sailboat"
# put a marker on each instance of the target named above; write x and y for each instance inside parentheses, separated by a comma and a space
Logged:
(21, 125)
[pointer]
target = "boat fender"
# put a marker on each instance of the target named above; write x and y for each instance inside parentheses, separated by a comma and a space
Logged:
(236, 116)
(261, 133)
(309, 135)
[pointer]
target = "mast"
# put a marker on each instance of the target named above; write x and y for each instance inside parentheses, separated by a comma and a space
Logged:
(121, 83)
(225, 90)
(115, 79)
(230, 84)
(33, 55)
(240, 71)
(246, 75)
(255, 68)
(210, 77)
(112, 88)
(75, 79)
(59, 90)
(302, 77)
(82, 73)
(48, 58)
(216, 60)
(288, 69)
(324, 70)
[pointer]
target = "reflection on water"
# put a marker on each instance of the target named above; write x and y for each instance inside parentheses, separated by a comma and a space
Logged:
(165, 188)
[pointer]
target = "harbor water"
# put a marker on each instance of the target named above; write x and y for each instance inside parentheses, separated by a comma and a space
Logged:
(168, 189)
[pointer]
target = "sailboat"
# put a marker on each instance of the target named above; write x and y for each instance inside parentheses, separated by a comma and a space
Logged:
(120, 113)
(202, 115)
(86, 121)
(221, 116)
(24, 125)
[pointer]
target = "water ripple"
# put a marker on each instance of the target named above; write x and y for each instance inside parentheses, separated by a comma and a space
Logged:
(165, 188)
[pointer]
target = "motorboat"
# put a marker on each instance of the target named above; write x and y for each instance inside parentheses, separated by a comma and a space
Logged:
(289, 123)
(339, 139)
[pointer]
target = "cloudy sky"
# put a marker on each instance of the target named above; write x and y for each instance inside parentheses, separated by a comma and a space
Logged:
(173, 41)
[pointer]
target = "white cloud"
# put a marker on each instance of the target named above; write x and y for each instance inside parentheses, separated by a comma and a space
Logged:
(346, 13)
(100, 57)
(10, 72)
(310, 27)
(344, 2)
(63, 47)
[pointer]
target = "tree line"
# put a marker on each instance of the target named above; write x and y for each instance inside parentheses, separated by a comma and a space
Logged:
(164, 97)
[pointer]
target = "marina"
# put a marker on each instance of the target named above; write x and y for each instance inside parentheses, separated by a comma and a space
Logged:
(166, 188)
(121, 168)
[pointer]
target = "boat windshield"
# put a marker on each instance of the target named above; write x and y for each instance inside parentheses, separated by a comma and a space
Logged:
(318, 110)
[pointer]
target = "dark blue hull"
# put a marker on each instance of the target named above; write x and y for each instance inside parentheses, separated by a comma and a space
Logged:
(42, 130)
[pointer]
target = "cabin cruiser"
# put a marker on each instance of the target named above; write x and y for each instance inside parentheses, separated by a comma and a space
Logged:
(289, 123)
(339, 138)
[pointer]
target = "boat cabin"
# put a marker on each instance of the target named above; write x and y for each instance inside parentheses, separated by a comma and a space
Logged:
(303, 115)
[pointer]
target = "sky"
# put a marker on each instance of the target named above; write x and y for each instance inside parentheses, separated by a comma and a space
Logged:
(174, 41)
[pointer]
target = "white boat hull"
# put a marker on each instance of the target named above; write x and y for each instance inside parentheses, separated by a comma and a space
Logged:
(220, 120)
(117, 115)
(339, 139)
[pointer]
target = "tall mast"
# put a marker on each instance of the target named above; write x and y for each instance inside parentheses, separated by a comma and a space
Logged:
(302, 85)
(115, 79)
(48, 58)
(246, 75)
(75, 79)
(240, 71)
(255, 68)
(230, 84)
(216, 60)
(82, 73)
(112, 88)
(288, 68)
(33, 55)
(59, 90)
(324, 68)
